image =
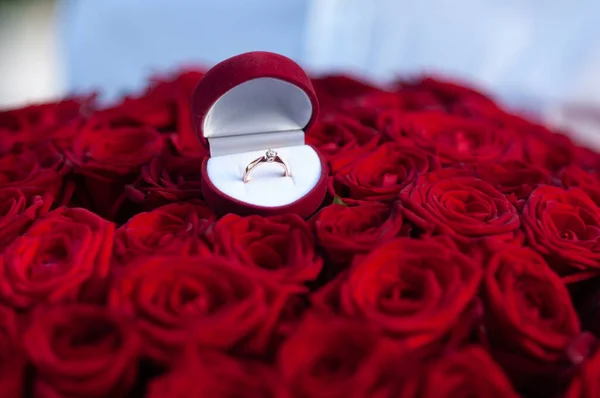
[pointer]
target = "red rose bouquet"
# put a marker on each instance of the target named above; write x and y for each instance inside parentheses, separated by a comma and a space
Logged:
(456, 254)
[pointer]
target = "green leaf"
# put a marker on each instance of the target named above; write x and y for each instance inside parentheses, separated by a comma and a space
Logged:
(338, 201)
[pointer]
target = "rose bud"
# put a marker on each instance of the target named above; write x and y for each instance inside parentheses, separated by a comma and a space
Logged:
(81, 351)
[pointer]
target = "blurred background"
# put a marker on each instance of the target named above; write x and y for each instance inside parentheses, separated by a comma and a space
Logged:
(543, 56)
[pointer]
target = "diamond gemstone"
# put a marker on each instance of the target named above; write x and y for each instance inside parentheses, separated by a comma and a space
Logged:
(270, 155)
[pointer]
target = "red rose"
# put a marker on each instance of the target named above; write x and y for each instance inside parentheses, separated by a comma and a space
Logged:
(343, 232)
(379, 175)
(207, 299)
(335, 357)
(215, 375)
(279, 247)
(542, 147)
(81, 351)
(421, 291)
(563, 225)
(456, 139)
(589, 182)
(333, 88)
(549, 150)
(466, 373)
(18, 211)
(109, 158)
(35, 170)
(167, 229)
(370, 108)
(160, 106)
(460, 206)
(586, 158)
(342, 86)
(514, 178)
(164, 106)
(12, 358)
(530, 320)
(430, 92)
(335, 134)
(167, 179)
(52, 121)
(63, 256)
(585, 384)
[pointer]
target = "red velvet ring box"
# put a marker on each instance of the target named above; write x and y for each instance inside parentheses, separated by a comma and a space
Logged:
(244, 106)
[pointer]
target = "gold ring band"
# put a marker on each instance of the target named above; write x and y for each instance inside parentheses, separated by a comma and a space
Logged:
(270, 156)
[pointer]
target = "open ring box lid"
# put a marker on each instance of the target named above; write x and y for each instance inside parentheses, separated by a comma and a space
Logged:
(244, 106)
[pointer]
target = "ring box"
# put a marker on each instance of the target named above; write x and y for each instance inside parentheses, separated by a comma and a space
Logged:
(241, 108)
